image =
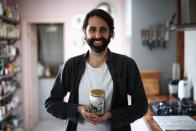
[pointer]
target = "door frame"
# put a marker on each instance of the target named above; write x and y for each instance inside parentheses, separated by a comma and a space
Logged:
(29, 79)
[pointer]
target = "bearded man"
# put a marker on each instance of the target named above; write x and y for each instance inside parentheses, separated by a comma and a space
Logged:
(115, 74)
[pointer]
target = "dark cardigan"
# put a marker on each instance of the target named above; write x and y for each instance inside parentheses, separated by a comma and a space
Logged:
(126, 79)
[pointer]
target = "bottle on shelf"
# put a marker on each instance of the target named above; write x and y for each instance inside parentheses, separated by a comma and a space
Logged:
(8, 127)
(9, 34)
(1, 9)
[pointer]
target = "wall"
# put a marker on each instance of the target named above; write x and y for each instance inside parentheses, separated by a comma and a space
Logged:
(147, 13)
(67, 10)
(190, 57)
(44, 91)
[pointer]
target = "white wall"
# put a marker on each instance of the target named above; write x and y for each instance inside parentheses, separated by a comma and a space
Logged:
(190, 57)
(67, 10)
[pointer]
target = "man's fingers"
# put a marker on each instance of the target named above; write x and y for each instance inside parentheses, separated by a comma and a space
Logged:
(90, 117)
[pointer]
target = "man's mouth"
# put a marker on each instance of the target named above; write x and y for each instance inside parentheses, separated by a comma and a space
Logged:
(98, 43)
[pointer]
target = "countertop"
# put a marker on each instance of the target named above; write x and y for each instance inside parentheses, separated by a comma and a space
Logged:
(152, 125)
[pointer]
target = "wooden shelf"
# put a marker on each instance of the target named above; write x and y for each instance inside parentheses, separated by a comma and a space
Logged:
(9, 20)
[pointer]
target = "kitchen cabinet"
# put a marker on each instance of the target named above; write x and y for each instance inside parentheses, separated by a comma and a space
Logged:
(9, 70)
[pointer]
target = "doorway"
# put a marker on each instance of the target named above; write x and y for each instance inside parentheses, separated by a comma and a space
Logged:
(49, 61)
(31, 55)
(50, 49)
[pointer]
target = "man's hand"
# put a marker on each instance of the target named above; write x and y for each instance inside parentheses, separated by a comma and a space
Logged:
(91, 117)
(102, 119)
(84, 111)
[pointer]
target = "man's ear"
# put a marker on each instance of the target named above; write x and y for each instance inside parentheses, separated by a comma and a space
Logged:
(112, 34)
(84, 34)
(84, 31)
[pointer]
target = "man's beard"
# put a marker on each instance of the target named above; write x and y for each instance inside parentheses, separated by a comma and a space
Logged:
(98, 49)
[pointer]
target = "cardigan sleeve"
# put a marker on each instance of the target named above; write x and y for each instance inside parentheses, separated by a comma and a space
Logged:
(139, 105)
(55, 104)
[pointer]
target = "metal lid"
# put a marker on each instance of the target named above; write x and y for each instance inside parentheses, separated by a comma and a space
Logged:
(97, 93)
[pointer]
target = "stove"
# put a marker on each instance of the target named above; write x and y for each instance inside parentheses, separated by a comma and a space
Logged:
(173, 107)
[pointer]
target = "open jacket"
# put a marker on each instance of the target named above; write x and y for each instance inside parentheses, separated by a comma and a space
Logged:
(126, 79)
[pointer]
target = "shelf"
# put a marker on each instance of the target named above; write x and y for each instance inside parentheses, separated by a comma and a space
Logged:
(4, 117)
(10, 34)
(9, 20)
(12, 90)
(8, 58)
(8, 39)
(9, 114)
(4, 77)
(183, 27)
(8, 94)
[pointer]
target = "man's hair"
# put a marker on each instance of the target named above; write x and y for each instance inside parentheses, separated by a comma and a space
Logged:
(102, 14)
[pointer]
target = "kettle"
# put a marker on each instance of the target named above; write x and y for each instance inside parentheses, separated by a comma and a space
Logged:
(173, 87)
(183, 89)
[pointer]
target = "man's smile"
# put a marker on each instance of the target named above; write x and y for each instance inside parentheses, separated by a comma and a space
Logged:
(98, 43)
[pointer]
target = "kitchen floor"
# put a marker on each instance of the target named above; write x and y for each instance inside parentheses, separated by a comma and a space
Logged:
(58, 125)
(50, 125)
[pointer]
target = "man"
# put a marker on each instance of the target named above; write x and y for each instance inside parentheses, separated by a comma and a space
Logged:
(99, 68)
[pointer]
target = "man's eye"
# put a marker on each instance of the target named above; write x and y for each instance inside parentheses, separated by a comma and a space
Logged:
(92, 29)
(103, 30)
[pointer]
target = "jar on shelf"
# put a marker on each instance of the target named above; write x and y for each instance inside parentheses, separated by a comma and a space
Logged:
(1, 9)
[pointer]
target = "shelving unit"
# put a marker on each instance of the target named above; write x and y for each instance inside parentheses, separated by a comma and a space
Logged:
(9, 85)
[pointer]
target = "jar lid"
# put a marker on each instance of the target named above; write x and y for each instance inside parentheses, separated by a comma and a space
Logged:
(97, 93)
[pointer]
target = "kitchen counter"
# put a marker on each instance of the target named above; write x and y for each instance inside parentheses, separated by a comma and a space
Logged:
(152, 125)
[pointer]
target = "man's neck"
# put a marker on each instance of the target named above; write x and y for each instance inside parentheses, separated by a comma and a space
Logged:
(97, 59)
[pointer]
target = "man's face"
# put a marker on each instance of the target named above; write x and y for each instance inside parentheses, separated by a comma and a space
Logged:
(97, 34)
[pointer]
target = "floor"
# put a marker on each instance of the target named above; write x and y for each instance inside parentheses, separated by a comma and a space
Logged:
(58, 125)
(50, 125)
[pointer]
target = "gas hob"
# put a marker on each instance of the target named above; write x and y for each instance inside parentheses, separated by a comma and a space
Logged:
(173, 107)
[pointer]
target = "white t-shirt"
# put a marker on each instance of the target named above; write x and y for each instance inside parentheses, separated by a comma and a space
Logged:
(95, 78)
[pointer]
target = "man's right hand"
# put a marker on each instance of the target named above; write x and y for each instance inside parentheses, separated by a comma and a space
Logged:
(86, 114)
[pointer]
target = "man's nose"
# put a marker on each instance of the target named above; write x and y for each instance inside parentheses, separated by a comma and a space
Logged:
(98, 34)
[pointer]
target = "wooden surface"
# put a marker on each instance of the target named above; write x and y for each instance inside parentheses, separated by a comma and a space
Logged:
(151, 81)
(153, 126)
(180, 40)
(180, 52)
